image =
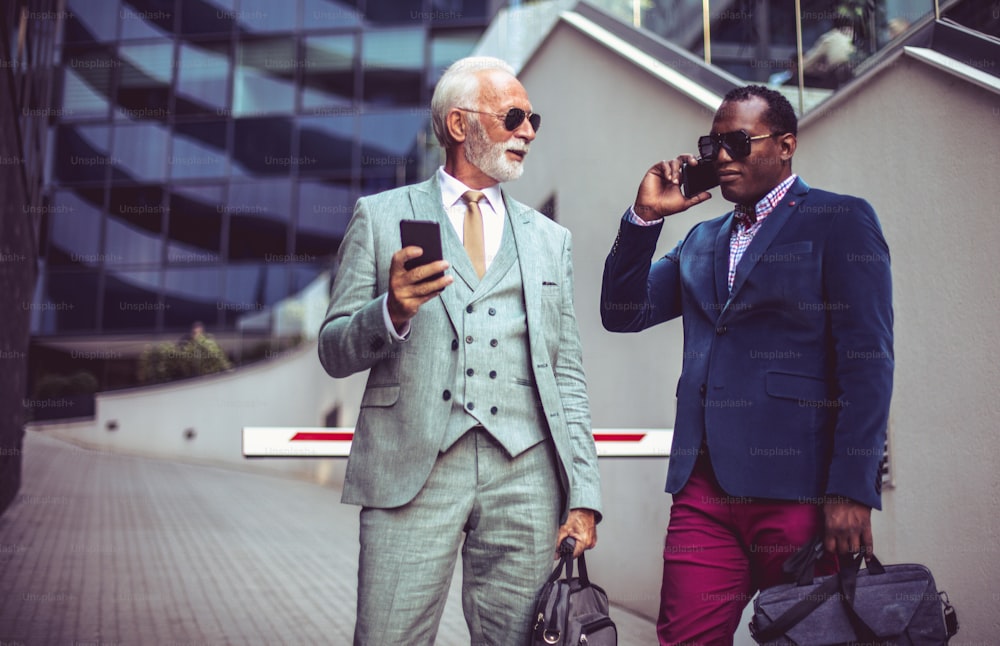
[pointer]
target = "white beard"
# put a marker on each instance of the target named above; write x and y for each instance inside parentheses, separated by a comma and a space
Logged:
(491, 157)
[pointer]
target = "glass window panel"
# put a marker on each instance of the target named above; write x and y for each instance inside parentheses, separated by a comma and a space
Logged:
(131, 300)
(203, 78)
(81, 154)
(199, 150)
(395, 11)
(266, 15)
(328, 72)
(317, 14)
(393, 64)
(195, 224)
(446, 48)
(389, 143)
(127, 244)
(192, 294)
(87, 83)
(459, 10)
(263, 146)
(74, 228)
(144, 85)
(328, 142)
(258, 224)
(147, 18)
(251, 290)
(207, 16)
(323, 214)
(265, 75)
(68, 302)
(89, 21)
(140, 152)
(139, 206)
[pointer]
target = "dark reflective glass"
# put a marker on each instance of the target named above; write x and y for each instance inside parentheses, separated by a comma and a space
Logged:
(251, 290)
(68, 302)
(323, 213)
(87, 21)
(192, 294)
(264, 80)
(73, 225)
(203, 78)
(317, 14)
(140, 152)
(199, 150)
(131, 300)
(328, 72)
(262, 146)
(395, 11)
(393, 64)
(144, 83)
(207, 16)
(266, 15)
(258, 220)
(86, 88)
(328, 143)
(81, 154)
(147, 18)
(390, 145)
(134, 228)
(195, 225)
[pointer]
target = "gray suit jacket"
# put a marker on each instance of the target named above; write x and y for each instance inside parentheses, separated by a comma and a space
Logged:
(403, 414)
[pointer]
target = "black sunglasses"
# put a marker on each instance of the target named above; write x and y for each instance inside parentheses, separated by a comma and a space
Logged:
(736, 143)
(514, 118)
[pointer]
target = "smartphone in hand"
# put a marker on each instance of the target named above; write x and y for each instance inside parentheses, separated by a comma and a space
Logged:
(425, 234)
(698, 179)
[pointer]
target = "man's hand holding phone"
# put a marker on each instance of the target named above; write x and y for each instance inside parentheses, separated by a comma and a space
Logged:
(660, 193)
(416, 274)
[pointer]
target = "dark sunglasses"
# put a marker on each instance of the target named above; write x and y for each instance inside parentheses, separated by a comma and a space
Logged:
(514, 118)
(736, 143)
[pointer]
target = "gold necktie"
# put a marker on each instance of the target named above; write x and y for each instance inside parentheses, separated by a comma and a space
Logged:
(472, 233)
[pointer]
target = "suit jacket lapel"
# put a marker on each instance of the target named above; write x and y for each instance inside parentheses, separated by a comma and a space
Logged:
(722, 261)
(768, 232)
(519, 219)
(425, 200)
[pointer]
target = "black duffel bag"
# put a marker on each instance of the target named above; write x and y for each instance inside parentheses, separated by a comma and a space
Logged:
(892, 605)
(572, 611)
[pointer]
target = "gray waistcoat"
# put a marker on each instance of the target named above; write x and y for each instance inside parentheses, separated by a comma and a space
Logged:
(493, 384)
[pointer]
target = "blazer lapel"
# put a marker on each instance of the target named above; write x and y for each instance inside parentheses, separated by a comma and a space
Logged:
(722, 261)
(768, 232)
(425, 200)
(519, 218)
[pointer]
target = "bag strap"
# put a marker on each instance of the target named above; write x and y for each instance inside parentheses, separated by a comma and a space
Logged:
(843, 584)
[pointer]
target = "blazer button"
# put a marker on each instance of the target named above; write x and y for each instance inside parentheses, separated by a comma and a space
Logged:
(468, 309)
(494, 410)
(493, 374)
(470, 406)
(494, 343)
(446, 395)
(468, 339)
(454, 344)
(720, 330)
(470, 372)
(493, 311)
(702, 390)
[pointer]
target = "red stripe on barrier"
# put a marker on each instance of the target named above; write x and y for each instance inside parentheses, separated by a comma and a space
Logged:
(322, 437)
(618, 437)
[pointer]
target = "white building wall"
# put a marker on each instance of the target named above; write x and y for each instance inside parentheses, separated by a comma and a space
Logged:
(923, 147)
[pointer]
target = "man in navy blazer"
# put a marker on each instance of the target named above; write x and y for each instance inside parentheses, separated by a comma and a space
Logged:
(783, 398)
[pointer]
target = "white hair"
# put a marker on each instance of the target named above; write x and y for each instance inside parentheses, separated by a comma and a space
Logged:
(459, 88)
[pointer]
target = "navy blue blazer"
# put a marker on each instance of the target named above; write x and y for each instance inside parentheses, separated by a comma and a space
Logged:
(787, 379)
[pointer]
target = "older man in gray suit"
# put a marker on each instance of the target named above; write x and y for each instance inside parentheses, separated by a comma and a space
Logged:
(475, 425)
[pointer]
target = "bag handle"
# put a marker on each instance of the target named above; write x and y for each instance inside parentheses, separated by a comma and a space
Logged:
(843, 584)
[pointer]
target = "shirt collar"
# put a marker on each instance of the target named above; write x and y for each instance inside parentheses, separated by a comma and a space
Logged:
(747, 217)
(452, 191)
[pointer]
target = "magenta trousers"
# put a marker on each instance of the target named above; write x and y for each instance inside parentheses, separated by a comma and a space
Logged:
(719, 551)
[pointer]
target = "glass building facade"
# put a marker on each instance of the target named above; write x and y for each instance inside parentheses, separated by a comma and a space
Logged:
(205, 155)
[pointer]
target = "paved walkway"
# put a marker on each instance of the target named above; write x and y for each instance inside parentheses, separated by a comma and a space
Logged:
(100, 548)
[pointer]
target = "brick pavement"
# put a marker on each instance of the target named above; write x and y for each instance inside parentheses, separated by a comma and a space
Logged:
(101, 548)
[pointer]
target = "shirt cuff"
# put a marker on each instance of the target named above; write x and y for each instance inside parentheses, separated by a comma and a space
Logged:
(388, 322)
(635, 219)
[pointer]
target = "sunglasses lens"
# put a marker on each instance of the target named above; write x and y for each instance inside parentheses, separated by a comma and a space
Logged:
(707, 148)
(516, 116)
(736, 143)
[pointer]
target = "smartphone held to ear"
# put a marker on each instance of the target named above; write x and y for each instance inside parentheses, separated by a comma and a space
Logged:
(698, 179)
(425, 234)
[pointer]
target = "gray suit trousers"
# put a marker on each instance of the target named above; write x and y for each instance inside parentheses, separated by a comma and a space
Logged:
(506, 511)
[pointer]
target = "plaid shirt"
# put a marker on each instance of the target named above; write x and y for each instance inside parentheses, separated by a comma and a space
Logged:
(747, 223)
